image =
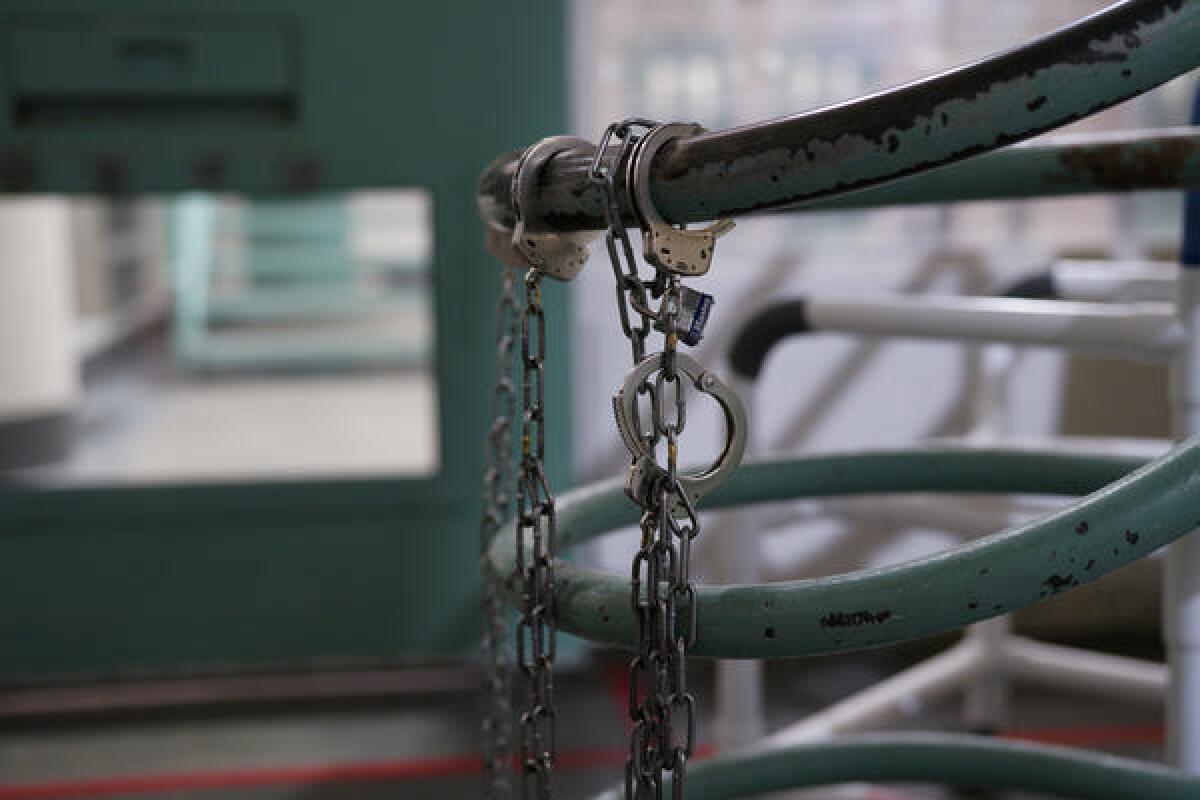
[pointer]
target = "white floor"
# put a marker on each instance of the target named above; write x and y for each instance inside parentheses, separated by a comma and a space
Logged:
(142, 420)
(255, 428)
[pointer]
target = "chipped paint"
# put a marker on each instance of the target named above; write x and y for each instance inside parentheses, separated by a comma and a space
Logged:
(1103, 59)
(921, 597)
(1121, 168)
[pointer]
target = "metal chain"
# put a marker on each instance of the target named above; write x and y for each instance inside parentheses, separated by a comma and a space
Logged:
(535, 545)
(497, 499)
(633, 291)
(678, 526)
(660, 706)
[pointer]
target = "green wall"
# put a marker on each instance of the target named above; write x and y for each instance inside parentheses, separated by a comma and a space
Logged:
(101, 581)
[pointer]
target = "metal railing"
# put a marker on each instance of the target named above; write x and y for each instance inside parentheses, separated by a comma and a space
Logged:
(842, 156)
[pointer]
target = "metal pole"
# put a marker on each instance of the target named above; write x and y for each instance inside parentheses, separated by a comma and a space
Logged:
(1140, 331)
(1106, 675)
(1114, 281)
(1181, 598)
(1125, 519)
(973, 762)
(1181, 579)
(1101, 60)
(1145, 330)
(740, 693)
(1063, 164)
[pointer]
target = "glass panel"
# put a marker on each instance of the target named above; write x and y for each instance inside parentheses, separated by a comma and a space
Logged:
(230, 338)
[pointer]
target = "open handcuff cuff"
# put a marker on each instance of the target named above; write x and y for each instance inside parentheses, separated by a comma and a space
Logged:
(683, 252)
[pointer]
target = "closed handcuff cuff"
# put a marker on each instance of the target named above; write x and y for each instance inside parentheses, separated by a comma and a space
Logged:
(683, 252)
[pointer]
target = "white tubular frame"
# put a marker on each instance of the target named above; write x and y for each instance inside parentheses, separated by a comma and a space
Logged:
(1115, 281)
(1181, 587)
(741, 715)
(1144, 331)
(977, 657)
(990, 655)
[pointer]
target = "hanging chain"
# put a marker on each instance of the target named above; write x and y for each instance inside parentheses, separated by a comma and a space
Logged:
(662, 594)
(535, 532)
(560, 256)
(497, 485)
(660, 707)
(632, 290)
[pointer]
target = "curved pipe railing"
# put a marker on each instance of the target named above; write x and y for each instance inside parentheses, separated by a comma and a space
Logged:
(974, 762)
(1143, 331)
(1124, 519)
(1163, 158)
(1099, 61)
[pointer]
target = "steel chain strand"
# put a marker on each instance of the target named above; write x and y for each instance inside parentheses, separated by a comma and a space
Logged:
(661, 709)
(535, 544)
(643, 764)
(632, 291)
(675, 533)
(497, 500)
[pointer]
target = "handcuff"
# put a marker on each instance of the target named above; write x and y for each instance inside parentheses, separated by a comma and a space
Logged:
(686, 253)
(674, 249)
(646, 472)
(554, 253)
(678, 250)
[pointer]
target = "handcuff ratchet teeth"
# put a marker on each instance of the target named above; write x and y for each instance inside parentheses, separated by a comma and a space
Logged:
(677, 250)
(554, 253)
(646, 472)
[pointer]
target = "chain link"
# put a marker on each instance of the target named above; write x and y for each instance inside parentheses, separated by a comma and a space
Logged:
(535, 544)
(661, 708)
(633, 291)
(497, 500)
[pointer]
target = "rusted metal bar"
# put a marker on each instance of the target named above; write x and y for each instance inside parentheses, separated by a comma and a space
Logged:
(1101, 60)
(1055, 165)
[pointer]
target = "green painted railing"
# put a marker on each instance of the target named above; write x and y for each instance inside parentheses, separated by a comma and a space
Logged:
(967, 762)
(1126, 517)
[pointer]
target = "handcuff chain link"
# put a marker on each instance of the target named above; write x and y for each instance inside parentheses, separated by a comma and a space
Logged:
(498, 479)
(660, 707)
(632, 290)
(535, 544)
(674, 704)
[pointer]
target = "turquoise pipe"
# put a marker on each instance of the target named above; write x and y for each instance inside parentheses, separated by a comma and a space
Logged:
(1124, 519)
(973, 762)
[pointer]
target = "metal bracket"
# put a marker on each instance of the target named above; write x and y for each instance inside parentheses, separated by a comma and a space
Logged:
(559, 255)
(645, 470)
(677, 250)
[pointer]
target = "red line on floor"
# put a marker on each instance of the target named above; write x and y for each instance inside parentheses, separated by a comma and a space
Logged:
(458, 765)
(359, 772)
(355, 772)
(618, 690)
(245, 778)
(1092, 736)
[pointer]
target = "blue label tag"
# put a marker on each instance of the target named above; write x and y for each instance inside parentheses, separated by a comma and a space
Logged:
(699, 320)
